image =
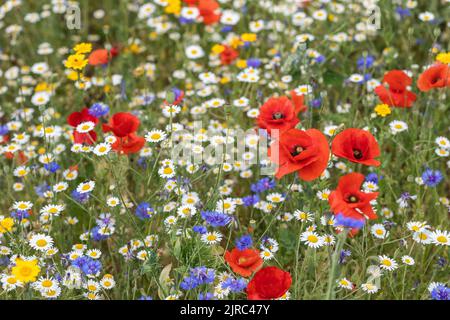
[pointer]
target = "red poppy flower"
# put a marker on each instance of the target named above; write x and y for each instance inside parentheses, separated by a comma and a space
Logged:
(298, 101)
(84, 138)
(98, 57)
(4, 139)
(208, 10)
(131, 143)
(350, 201)
(228, 55)
(122, 124)
(357, 146)
(397, 95)
(277, 113)
(436, 76)
(102, 56)
(21, 157)
(306, 152)
(244, 262)
(190, 2)
(268, 283)
(75, 118)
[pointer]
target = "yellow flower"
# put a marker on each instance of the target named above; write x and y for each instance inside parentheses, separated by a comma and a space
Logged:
(26, 271)
(443, 57)
(224, 80)
(217, 49)
(43, 86)
(272, 52)
(6, 225)
(134, 48)
(248, 37)
(382, 110)
(73, 75)
(241, 64)
(236, 42)
(173, 7)
(76, 61)
(83, 48)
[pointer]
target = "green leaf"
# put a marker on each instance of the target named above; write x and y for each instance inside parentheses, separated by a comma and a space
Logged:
(331, 77)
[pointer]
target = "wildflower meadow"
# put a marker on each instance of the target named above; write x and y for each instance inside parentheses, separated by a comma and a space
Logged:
(224, 150)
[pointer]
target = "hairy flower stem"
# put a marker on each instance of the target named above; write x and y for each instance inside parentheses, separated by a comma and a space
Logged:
(335, 269)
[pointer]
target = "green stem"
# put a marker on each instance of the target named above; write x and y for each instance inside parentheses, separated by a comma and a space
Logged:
(334, 270)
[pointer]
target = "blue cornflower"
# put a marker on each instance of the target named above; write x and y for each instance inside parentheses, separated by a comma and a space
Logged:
(96, 235)
(367, 76)
(198, 276)
(348, 222)
(403, 12)
(147, 99)
(145, 298)
(206, 296)
(99, 109)
(316, 103)
(263, 185)
(88, 265)
(41, 189)
(4, 261)
(52, 167)
(200, 229)
(203, 274)
(19, 214)
(227, 92)
(144, 211)
(373, 177)
(3, 130)
(344, 255)
(216, 219)
(440, 293)
(441, 262)
(250, 200)
(80, 262)
(235, 285)
(80, 197)
(365, 62)
(253, 62)
(226, 29)
(142, 162)
(189, 283)
(91, 267)
(432, 177)
(244, 242)
(185, 20)
(320, 59)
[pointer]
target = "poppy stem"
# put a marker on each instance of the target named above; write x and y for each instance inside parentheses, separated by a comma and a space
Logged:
(335, 270)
